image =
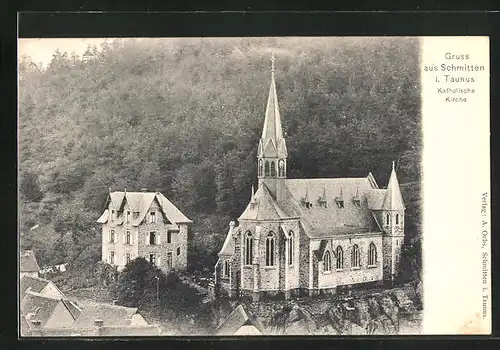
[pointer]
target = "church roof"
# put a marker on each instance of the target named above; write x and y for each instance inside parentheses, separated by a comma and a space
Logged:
(332, 218)
(263, 207)
(139, 203)
(228, 246)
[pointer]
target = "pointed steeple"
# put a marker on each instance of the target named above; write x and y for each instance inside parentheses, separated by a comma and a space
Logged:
(393, 199)
(272, 143)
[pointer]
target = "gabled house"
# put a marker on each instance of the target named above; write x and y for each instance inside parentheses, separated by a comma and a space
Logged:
(38, 285)
(103, 315)
(239, 322)
(144, 224)
(28, 264)
(309, 236)
(40, 312)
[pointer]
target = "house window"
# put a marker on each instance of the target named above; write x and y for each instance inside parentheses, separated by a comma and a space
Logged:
(248, 249)
(112, 257)
(152, 217)
(112, 236)
(226, 268)
(266, 169)
(128, 217)
(372, 255)
(397, 219)
(340, 258)
(355, 256)
(169, 237)
(152, 258)
(152, 238)
(270, 249)
(127, 237)
(178, 250)
(327, 262)
(127, 258)
(273, 169)
(290, 248)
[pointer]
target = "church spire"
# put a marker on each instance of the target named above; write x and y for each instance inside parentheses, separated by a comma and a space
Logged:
(272, 142)
(393, 198)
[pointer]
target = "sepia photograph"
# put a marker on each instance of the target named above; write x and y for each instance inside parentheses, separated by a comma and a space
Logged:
(221, 186)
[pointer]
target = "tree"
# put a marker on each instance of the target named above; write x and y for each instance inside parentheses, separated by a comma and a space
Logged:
(29, 186)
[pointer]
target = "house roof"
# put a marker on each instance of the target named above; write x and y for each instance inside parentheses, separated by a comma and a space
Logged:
(236, 320)
(325, 221)
(74, 309)
(35, 284)
(139, 204)
(119, 331)
(36, 306)
(28, 262)
(111, 315)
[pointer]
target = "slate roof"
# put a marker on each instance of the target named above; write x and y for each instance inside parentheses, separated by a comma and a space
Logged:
(120, 331)
(393, 199)
(35, 284)
(139, 203)
(111, 315)
(35, 306)
(263, 207)
(320, 221)
(28, 262)
(237, 319)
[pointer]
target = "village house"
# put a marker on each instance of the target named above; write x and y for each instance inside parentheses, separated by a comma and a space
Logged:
(38, 285)
(239, 322)
(28, 264)
(309, 236)
(144, 224)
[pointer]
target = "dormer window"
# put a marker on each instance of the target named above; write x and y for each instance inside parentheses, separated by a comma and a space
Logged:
(152, 217)
(322, 202)
(340, 203)
(306, 203)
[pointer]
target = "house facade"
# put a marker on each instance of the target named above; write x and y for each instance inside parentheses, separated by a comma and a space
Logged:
(144, 224)
(309, 236)
(28, 264)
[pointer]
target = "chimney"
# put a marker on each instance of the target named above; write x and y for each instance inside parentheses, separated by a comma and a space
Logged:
(98, 322)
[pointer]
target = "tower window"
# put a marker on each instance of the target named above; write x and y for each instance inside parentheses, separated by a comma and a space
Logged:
(397, 219)
(372, 255)
(127, 237)
(387, 219)
(355, 260)
(270, 249)
(327, 262)
(128, 217)
(273, 169)
(112, 236)
(260, 168)
(248, 249)
(112, 215)
(340, 258)
(169, 236)
(152, 238)
(281, 168)
(266, 169)
(290, 248)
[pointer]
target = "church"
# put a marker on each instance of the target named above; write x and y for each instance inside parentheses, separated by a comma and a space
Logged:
(309, 236)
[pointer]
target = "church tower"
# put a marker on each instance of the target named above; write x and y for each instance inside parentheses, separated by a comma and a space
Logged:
(272, 152)
(393, 212)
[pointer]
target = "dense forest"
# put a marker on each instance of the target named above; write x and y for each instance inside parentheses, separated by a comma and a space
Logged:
(184, 116)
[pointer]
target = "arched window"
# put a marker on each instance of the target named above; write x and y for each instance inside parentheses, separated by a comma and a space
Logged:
(273, 169)
(291, 248)
(355, 260)
(327, 262)
(340, 258)
(387, 219)
(266, 169)
(397, 219)
(127, 238)
(372, 255)
(260, 167)
(248, 249)
(270, 249)
(226, 268)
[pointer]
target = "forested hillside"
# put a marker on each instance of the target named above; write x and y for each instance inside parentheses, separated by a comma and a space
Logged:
(184, 116)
